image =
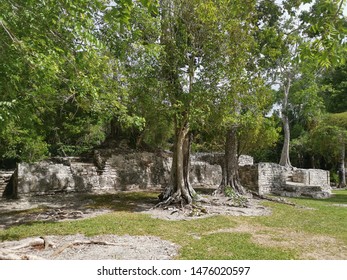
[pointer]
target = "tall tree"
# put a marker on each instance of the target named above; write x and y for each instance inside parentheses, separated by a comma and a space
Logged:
(243, 97)
(314, 37)
(182, 37)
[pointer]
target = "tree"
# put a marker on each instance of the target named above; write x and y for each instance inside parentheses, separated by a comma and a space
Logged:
(206, 49)
(243, 96)
(305, 110)
(56, 78)
(182, 37)
(329, 139)
(301, 39)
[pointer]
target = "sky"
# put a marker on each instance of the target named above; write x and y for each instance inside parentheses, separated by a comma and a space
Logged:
(306, 6)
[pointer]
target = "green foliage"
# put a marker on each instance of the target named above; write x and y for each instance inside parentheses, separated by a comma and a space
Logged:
(57, 84)
(70, 67)
(334, 88)
(22, 144)
(326, 26)
(260, 133)
(326, 139)
(338, 119)
(334, 178)
(237, 199)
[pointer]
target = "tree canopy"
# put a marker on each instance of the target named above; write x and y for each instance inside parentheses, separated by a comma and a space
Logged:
(163, 74)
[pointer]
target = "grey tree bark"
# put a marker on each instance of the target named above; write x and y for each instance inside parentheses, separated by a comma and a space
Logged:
(285, 158)
(179, 189)
(342, 168)
(230, 168)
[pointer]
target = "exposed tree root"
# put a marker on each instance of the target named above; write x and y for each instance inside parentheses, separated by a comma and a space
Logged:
(236, 194)
(174, 199)
(177, 202)
(11, 253)
(177, 199)
(273, 199)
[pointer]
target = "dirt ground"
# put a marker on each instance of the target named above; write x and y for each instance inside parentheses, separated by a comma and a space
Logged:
(79, 247)
(73, 207)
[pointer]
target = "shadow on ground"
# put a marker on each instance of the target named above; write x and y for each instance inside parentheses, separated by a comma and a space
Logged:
(71, 207)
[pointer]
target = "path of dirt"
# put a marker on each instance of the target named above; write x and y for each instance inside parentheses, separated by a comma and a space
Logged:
(102, 247)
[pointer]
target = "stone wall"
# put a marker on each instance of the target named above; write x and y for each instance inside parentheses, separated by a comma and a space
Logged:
(263, 177)
(206, 172)
(266, 178)
(106, 172)
(5, 176)
(245, 160)
(249, 177)
(218, 158)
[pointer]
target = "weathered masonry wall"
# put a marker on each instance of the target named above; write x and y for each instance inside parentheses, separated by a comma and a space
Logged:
(263, 177)
(5, 176)
(266, 178)
(108, 172)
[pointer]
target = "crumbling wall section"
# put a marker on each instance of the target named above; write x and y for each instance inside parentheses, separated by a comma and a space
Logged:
(106, 171)
(267, 178)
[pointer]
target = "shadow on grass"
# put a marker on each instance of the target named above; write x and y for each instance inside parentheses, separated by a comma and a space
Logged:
(127, 201)
(338, 197)
(79, 206)
(204, 191)
(10, 234)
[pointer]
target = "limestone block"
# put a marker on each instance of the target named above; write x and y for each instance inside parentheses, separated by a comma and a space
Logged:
(43, 177)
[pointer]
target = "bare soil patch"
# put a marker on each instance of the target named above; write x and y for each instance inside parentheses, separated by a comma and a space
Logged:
(80, 247)
(213, 206)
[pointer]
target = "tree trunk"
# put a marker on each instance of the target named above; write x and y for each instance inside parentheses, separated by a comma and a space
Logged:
(285, 159)
(313, 162)
(179, 189)
(230, 170)
(342, 169)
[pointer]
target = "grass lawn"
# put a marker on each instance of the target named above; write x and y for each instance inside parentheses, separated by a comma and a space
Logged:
(314, 229)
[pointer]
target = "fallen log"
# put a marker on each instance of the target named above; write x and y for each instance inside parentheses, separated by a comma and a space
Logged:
(29, 242)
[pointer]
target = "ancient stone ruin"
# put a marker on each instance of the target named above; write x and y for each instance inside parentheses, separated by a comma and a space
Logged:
(271, 178)
(106, 171)
(5, 176)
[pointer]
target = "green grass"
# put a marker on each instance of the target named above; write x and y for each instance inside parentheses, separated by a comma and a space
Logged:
(232, 246)
(205, 238)
(320, 217)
